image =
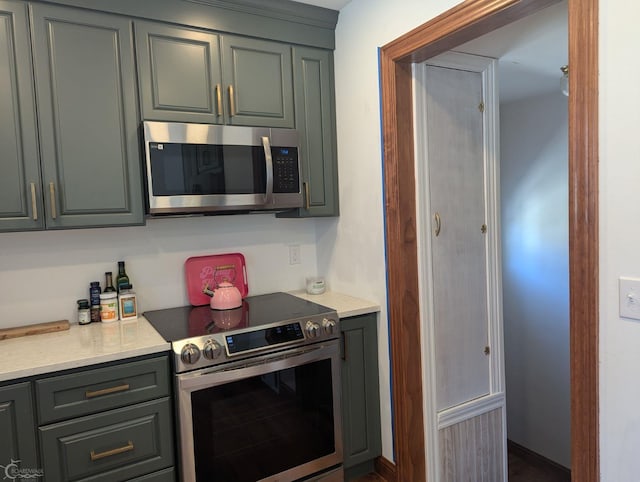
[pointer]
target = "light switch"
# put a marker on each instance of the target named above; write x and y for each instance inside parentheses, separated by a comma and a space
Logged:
(630, 298)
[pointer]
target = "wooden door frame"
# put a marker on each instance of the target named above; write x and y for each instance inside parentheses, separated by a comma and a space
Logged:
(460, 24)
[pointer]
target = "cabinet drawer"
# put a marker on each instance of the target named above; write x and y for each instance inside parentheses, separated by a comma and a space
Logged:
(115, 445)
(166, 475)
(97, 390)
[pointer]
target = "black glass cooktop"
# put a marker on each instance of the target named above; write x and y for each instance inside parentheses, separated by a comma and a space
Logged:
(175, 324)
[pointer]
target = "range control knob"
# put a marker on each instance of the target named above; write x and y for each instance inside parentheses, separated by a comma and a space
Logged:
(329, 326)
(190, 354)
(313, 329)
(211, 349)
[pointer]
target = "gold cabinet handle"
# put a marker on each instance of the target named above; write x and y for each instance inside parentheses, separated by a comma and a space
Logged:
(307, 201)
(438, 224)
(52, 196)
(110, 453)
(106, 391)
(34, 206)
(219, 99)
(232, 102)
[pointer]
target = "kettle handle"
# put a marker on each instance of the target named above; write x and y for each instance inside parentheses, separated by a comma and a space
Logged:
(230, 267)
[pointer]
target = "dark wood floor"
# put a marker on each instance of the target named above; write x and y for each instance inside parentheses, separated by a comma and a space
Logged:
(527, 466)
(524, 466)
(369, 478)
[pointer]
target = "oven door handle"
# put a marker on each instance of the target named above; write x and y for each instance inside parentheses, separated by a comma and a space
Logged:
(268, 160)
(192, 381)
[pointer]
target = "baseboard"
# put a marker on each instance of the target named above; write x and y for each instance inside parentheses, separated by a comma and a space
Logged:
(534, 456)
(386, 469)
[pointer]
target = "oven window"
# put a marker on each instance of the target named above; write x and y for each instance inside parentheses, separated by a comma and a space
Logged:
(256, 427)
(201, 169)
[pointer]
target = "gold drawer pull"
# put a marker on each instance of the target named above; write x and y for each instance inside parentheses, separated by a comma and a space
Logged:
(109, 453)
(106, 391)
(34, 205)
(219, 100)
(232, 102)
(307, 202)
(52, 198)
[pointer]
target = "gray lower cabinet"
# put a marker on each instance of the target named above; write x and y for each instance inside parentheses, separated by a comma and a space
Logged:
(113, 445)
(85, 83)
(110, 423)
(360, 394)
(21, 206)
(17, 426)
(313, 79)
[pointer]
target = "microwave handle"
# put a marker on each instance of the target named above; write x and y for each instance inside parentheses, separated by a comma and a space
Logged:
(269, 165)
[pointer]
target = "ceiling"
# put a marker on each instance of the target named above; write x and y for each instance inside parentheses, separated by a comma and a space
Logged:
(530, 51)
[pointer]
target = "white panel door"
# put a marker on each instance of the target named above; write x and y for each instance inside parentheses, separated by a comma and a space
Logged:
(459, 261)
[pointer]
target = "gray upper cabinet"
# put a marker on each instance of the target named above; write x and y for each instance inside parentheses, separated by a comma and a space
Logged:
(189, 75)
(17, 426)
(179, 74)
(315, 120)
(258, 82)
(20, 186)
(86, 90)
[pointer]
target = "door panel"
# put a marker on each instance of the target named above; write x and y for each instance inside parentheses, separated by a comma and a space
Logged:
(85, 80)
(473, 449)
(456, 186)
(258, 80)
(20, 193)
(179, 72)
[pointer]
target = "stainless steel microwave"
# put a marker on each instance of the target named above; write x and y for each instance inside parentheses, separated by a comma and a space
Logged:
(204, 168)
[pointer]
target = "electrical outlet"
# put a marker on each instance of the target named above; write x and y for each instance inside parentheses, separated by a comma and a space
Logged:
(294, 254)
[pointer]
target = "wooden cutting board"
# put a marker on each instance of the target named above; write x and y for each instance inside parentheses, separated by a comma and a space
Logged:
(36, 329)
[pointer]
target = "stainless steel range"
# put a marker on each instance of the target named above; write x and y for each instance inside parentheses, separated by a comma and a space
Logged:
(258, 390)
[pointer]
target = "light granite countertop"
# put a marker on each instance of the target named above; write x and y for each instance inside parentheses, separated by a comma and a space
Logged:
(345, 305)
(85, 345)
(81, 345)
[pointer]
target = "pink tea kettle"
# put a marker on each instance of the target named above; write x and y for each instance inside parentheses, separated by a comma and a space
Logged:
(225, 297)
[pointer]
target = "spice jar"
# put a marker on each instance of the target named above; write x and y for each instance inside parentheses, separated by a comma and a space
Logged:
(84, 316)
(109, 306)
(94, 299)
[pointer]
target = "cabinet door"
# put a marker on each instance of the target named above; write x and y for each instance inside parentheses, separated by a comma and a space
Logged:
(258, 81)
(18, 441)
(360, 393)
(20, 191)
(315, 120)
(179, 74)
(458, 243)
(114, 445)
(85, 84)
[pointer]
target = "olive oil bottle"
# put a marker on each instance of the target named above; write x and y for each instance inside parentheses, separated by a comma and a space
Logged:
(122, 280)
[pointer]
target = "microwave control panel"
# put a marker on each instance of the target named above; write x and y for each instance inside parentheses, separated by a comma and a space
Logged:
(285, 169)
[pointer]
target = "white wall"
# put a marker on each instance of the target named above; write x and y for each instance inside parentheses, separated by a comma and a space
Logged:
(42, 274)
(365, 25)
(535, 272)
(619, 238)
(351, 249)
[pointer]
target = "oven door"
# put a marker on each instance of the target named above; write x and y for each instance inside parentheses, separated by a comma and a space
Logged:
(272, 418)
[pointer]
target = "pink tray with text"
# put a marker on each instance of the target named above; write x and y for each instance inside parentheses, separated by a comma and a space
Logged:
(211, 270)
